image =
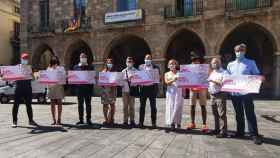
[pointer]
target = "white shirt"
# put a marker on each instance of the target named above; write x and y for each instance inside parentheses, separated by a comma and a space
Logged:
(216, 76)
(130, 71)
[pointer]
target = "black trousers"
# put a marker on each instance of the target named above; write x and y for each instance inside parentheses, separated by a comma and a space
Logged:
(143, 100)
(241, 104)
(27, 97)
(87, 100)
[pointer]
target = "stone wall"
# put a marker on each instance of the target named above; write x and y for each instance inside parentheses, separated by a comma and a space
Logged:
(212, 28)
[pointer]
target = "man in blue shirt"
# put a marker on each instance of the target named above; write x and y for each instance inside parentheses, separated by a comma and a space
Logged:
(241, 101)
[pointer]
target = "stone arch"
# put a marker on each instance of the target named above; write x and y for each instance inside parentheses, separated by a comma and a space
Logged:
(181, 43)
(127, 45)
(73, 52)
(41, 56)
(261, 46)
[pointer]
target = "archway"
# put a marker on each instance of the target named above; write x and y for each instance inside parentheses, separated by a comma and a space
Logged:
(72, 58)
(73, 53)
(260, 47)
(181, 44)
(42, 56)
(129, 45)
(124, 46)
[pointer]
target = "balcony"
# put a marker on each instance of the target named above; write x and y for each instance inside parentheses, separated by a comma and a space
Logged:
(191, 9)
(239, 5)
(82, 24)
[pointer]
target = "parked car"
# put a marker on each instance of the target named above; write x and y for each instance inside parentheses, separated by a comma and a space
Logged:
(39, 92)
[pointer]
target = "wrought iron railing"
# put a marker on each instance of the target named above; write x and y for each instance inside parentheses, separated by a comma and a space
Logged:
(236, 5)
(189, 8)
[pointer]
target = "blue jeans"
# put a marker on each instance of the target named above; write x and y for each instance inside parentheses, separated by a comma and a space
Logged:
(241, 104)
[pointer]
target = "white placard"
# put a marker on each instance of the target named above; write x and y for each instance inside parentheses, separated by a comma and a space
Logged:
(154, 74)
(81, 77)
(242, 83)
(110, 79)
(141, 78)
(53, 77)
(131, 15)
(193, 76)
(17, 72)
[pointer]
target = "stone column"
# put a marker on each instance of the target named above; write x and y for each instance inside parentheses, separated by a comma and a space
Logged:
(276, 77)
(161, 63)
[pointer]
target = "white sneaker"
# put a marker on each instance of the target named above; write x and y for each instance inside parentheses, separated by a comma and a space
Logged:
(14, 125)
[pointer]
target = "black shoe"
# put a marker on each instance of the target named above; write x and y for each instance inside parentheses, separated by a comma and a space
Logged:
(132, 124)
(154, 125)
(172, 127)
(33, 123)
(257, 140)
(178, 126)
(213, 132)
(141, 125)
(80, 123)
(89, 122)
(221, 135)
(125, 124)
(238, 135)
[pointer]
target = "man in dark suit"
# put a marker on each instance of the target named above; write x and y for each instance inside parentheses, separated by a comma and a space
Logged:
(84, 92)
(148, 91)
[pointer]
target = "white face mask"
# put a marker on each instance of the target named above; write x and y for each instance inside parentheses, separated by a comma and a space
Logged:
(148, 62)
(83, 60)
(172, 67)
(215, 66)
(129, 65)
(24, 61)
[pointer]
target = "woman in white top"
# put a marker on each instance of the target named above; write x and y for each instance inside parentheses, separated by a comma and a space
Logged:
(174, 97)
(56, 92)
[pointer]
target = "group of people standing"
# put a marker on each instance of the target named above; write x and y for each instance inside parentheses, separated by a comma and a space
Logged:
(174, 95)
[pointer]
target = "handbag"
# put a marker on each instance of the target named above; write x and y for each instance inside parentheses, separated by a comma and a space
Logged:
(133, 90)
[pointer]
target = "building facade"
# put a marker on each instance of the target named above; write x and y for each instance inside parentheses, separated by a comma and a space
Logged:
(165, 28)
(9, 31)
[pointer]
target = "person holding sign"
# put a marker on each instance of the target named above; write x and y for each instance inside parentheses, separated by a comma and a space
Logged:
(198, 93)
(84, 91)
(129, 93)
(56, 92)
(244, 102)
(108, 96)
(174, 97)
(218, 98)
(23, 91)
(148, 91)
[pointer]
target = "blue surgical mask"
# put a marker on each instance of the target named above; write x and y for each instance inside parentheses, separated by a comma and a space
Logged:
(24, 61)
(148, 62)
(109, 66)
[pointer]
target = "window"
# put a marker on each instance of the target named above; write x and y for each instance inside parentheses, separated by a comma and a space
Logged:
(17, 10)
(80, 8)
(185, 7)
(124, 5)
(16, 30)
(44, 13)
